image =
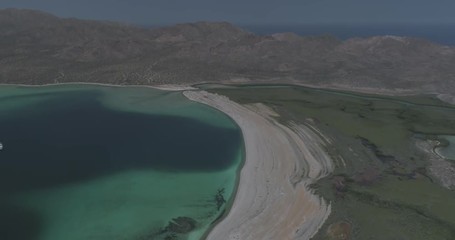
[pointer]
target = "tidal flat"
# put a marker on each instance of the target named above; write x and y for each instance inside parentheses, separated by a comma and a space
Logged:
(382, 186)
(97, 162)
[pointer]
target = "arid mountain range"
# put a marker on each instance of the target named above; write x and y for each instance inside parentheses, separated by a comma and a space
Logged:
(39, 48)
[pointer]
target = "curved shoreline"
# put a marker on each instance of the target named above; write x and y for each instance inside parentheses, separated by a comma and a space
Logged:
(273, 200)
(440, 144)
(287, 208)
(229, 184)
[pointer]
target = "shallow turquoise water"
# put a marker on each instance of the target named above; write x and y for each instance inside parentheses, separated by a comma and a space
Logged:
(90, 162)
(449, 151)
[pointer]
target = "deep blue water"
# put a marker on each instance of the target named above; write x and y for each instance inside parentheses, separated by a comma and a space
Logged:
(72, 138)
(443, 34)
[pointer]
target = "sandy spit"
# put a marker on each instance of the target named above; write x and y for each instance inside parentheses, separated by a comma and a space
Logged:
(440, 168)
(273, 200)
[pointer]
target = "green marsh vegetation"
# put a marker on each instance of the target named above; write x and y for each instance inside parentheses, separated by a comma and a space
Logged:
(381, 187)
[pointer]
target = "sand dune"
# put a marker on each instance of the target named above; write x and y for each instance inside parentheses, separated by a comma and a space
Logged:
(273, 200)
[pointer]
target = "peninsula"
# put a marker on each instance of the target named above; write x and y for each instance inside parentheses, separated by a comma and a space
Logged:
(334, 130)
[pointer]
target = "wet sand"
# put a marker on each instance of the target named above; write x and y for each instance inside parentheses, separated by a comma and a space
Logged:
(273, 200)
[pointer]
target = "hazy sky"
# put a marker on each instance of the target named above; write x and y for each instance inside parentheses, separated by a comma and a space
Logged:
(150, 12)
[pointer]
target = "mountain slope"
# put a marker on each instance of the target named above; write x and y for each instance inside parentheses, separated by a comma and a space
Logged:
(38, 48)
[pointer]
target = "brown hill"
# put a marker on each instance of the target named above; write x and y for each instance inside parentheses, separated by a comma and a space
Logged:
(38, 48)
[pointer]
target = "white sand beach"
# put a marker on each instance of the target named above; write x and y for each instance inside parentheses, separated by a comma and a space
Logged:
(273, 200)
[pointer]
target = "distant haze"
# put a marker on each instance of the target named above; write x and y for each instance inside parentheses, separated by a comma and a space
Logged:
(159, 12)
(439, 33)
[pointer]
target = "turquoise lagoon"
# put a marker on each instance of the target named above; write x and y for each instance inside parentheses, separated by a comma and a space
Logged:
(449, 150)
(95, 162)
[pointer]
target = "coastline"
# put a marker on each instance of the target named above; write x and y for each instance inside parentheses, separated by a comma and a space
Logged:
(312, 210)
(273, 200)
(292, 134)
(165, 87)
(447, 98)
(230, 184)
(440, 167)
